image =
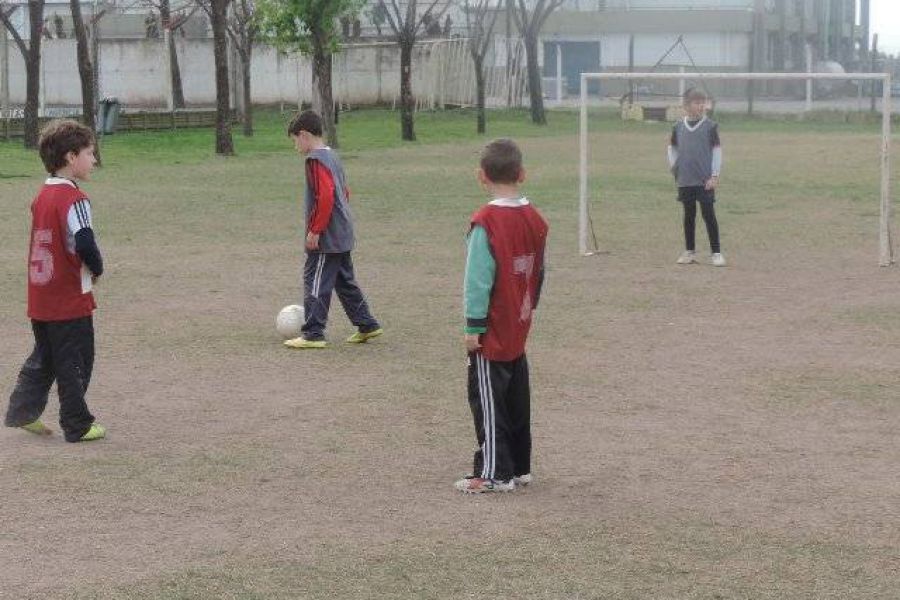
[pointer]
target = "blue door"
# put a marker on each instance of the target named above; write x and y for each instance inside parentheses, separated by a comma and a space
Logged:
(577, 58)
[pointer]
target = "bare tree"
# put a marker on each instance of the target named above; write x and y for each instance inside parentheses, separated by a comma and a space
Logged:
(529, 22)
(224, 143)
(480, 21)
(406, 25)
(85, 71)
(32, 55)
(172, 18)
(243, 30)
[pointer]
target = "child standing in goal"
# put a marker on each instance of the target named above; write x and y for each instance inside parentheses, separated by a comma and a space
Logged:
(695, 158)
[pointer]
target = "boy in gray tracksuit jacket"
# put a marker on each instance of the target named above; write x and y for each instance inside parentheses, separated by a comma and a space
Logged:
(695, 158)
(329, 240)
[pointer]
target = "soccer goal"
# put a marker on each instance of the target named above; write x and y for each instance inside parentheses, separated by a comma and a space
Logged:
(885, 257)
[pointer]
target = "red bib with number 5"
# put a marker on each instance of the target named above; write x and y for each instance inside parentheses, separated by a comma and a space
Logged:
(517, 236)
(54, 269)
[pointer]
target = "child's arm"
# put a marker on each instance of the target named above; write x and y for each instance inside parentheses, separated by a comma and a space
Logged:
(672, 152)
(79, 224)
(323, 191)
(479, 281)
(716, 169)
(540, 281)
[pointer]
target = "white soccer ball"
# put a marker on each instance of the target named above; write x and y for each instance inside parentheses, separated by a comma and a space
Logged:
(289, 321)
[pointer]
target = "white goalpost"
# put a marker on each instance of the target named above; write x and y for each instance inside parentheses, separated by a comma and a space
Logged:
(886, 256)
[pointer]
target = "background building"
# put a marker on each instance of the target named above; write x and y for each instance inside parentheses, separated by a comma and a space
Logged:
(720, 35)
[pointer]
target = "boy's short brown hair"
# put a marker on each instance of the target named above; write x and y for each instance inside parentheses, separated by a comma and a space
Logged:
(693, 93)
(58, 138)
(501, 161)
(309, 121)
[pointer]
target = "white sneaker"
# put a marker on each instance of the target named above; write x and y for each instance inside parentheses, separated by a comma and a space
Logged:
(718, 260)
(522, 480)
(687, 257)
(478, 485)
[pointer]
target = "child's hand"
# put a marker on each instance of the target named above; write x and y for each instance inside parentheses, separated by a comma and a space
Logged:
(712, 183)
(312, 241)
(473, 342)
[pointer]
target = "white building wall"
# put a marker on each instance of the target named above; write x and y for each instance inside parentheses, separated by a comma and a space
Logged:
(60, 78)
(277, 77)
(134, 71)
(196, 60)
(727, 50)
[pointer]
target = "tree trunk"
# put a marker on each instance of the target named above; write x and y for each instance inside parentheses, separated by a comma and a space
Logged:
(33, 73)
(322, 84)
(95, 61)
(407, 101)
(165, 17)
(479, 93)
(177, 89)
(224, 143)
(509, 56)
(245, 79)
(538, 117)
(85, 72)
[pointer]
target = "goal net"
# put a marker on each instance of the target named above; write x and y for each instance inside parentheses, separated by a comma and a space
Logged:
(628, 86)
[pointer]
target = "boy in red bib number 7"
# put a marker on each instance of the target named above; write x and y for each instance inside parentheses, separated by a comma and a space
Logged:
(504, 274)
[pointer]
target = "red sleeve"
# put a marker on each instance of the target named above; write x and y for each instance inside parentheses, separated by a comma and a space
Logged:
(323, 189)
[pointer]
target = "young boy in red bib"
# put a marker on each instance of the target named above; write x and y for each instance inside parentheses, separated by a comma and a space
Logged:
(63, 264)
(504, 274)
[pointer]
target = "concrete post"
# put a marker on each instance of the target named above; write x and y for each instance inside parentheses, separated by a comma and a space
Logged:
(559, 86)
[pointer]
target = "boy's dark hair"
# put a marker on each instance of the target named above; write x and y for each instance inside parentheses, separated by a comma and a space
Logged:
(693, 93)
(60, 137)
(309, 121)
(501, 161)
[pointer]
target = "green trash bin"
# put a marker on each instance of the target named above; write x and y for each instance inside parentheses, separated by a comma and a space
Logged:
(108, 118)
(102, 109)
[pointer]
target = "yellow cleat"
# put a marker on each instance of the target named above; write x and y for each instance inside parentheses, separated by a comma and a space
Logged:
(302, 343)
(361, 338)
(38, 428)
(96, 432)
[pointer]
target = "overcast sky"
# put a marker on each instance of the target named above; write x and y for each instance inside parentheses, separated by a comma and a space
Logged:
(886, 23)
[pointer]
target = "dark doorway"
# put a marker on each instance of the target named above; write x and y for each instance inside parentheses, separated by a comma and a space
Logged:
(577, 58)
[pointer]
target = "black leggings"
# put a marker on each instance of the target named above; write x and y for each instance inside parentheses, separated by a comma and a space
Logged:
(689, 197)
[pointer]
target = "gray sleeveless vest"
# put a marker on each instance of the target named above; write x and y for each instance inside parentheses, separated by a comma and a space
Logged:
(338, 236)
(695, 153)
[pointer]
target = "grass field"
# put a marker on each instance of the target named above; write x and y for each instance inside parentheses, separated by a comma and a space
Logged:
(700, 433)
